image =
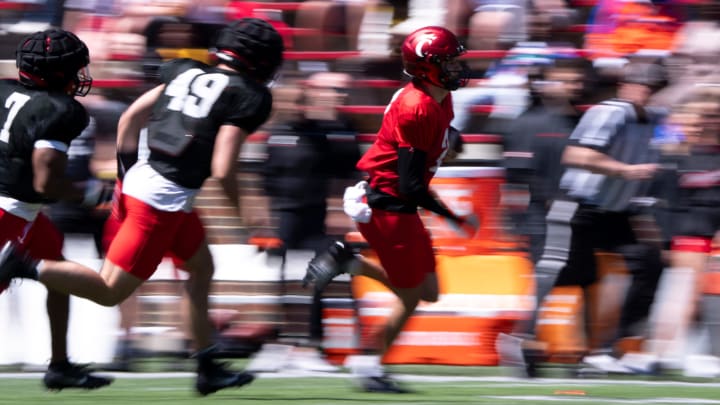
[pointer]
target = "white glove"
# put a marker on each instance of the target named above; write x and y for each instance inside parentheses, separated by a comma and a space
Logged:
(466, 229)
(354, 205)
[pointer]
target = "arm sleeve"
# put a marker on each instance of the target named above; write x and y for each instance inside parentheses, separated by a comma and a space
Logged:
(411, 167)
(598, 126)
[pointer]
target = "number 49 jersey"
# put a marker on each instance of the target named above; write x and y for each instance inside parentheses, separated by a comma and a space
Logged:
(199, 99)
(29, 119)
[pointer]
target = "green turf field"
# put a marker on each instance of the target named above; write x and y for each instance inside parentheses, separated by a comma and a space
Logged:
(432, 386)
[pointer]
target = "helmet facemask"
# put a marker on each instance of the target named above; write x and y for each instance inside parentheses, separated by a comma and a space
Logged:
(454, 74)
(83, 82)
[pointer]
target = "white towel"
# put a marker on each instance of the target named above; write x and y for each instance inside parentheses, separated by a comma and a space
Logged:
(354, 205)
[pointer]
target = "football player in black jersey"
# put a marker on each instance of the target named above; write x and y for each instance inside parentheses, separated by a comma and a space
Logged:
(39, 119)
(197, 119)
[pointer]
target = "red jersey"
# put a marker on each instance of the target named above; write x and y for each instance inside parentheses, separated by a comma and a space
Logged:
(413, 119)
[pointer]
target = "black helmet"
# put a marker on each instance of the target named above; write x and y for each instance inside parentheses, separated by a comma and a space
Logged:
(251, 45)
(53, 59)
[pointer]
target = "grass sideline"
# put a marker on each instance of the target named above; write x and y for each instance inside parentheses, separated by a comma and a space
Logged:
(433, 385)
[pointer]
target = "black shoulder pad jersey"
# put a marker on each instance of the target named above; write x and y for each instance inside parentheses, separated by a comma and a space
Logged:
(197, 101)
(27, 116)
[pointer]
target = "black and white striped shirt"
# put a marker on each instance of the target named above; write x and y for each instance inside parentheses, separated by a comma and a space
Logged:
(614, 128)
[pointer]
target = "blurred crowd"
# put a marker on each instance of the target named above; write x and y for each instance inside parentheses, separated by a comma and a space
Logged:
(537, 68)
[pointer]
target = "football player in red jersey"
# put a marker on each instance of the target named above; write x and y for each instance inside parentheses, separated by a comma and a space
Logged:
(40, 118)
(197, 120)
(410, 146)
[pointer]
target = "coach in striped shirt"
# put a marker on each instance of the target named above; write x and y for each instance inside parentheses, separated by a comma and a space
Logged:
(610, 165)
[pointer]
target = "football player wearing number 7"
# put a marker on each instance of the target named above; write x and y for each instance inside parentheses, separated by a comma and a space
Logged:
(39, 117)
(197, 119)
(409, 147)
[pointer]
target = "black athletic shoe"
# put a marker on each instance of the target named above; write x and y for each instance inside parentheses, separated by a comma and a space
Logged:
(14, 264)
(383, 384)
(67, 375)
(213, 377)
(327, 265)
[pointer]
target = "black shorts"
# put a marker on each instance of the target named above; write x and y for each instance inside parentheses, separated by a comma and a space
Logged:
(593, 230)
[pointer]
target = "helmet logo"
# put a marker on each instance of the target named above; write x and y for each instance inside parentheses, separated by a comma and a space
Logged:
(425, 39)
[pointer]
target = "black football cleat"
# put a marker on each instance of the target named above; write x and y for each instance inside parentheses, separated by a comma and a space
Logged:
(324, 267)
(383, 384)
(213, 377)
(14, 264)
(68, 375)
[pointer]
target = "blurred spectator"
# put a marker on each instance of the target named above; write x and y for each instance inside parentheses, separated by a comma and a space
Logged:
(534, 144)
(627, 26)
(497, 24)
(304, 153)
(241, 9)
(115, 30)
(693, 195)
(505, 87)
(609, 165)
(533, 148)
(34, 15)
(311, 146)
(694, 56)
(420, 13)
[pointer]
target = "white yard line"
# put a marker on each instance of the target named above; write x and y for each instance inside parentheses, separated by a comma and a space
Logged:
(500, 381)
(575, 398)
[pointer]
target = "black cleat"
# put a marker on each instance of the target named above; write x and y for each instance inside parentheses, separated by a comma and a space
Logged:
(213, 377)
(383, 384)
(67, 375)
(14, 264)
(327, 265)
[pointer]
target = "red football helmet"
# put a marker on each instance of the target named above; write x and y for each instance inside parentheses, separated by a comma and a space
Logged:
(429, 54)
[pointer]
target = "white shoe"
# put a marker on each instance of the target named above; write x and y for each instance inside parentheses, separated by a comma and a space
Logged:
(607, 363)
(702, 366)
(309, 359)
(271, 358)
(641, 363)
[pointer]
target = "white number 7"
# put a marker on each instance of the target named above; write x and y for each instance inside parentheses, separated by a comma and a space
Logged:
(14, 103)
